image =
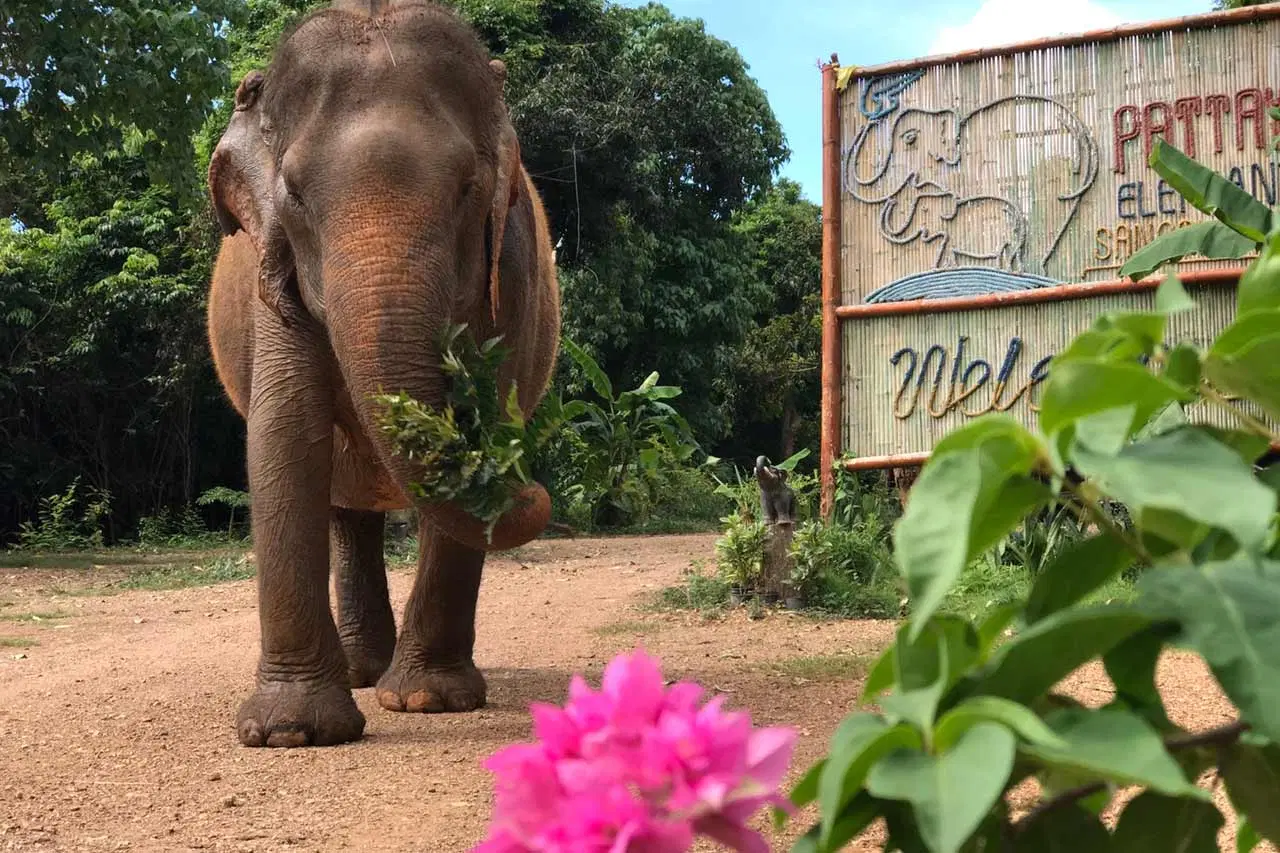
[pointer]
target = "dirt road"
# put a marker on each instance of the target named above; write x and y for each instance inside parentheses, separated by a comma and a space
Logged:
(116, 730)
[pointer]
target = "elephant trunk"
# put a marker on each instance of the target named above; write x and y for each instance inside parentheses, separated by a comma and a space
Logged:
(867, 164)
(385, 313)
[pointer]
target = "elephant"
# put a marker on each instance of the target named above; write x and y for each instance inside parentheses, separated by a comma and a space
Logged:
(370, 190)
(777, 499)
(981, 228)
(919, 144)
(897, 159)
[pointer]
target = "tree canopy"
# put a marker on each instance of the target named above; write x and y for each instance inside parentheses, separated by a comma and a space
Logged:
(651, 144)
(89, 77)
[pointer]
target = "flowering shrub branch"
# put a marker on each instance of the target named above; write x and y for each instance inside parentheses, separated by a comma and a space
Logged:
(637, 766)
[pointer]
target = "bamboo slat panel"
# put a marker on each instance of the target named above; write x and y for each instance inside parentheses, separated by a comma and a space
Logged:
(873, 382)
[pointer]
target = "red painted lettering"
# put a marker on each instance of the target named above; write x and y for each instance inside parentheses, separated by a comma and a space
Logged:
(1218, 106)
(1157, 118)
(1126, 125)
(1249, 105)
(1187, 111)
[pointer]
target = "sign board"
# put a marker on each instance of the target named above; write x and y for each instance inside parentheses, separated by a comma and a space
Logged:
(987, 201)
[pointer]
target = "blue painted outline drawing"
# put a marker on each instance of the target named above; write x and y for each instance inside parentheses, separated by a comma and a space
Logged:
(908, 162)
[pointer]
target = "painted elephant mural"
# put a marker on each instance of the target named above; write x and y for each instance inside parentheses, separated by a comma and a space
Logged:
(918, 166)
(370, 189)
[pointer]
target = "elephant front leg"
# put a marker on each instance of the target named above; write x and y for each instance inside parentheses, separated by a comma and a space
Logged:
(366, 625)
(433, 669)
(302, 697)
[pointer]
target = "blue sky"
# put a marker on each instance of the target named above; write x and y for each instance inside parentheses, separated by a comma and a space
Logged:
(783, 42)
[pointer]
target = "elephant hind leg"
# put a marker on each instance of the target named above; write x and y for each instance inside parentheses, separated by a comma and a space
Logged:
(366, 624)
(433, 669)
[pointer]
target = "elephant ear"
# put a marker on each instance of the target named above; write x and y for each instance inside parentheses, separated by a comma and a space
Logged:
(506, 190)
(239, 169)
(241, 174)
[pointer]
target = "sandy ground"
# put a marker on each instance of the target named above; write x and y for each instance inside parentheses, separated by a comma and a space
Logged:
(116, 730)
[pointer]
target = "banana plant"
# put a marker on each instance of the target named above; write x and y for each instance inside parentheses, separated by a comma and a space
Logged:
(624, 439)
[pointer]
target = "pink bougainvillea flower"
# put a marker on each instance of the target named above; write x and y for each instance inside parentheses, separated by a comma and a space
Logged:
(636, 767)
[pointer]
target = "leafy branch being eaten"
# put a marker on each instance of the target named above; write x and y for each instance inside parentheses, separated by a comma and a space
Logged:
(475, 450)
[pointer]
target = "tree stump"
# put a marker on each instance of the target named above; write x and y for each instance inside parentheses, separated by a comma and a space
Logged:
(777, 511)
(903, 479)
(775, 569)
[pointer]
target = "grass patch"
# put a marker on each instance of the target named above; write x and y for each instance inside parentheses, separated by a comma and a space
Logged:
(17, 643)
(846, 667)
(181, 576)
(625, 628)
(699, 591)
(109, 558)
(35, 616)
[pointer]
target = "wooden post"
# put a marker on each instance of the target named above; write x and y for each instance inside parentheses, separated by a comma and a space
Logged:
(831, 403)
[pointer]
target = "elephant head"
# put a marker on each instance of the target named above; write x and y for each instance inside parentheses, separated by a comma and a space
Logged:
(374, 166)
(888, 156)
(919, 213)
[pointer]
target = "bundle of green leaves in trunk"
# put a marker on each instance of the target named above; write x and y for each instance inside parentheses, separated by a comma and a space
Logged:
(967, 710)
(475, 451)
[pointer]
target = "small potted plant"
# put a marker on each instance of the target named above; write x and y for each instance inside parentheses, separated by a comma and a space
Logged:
(806, 554)
(739, 552)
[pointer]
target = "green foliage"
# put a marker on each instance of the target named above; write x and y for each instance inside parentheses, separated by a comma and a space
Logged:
(621, 443)
(169, 529)
(702, 590)
(232, 499)
(92, 77)
(474, 450)
(106, 374)
(967, 714)
(645, 134)
(67, 521)
(740, 551)
(776, 374)
(1238, 227)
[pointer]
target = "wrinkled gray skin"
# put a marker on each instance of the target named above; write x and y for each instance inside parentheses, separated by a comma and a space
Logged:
(777, 499)
(370, 189)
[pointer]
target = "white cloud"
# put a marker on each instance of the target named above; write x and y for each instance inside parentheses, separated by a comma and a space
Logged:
(1001, 22)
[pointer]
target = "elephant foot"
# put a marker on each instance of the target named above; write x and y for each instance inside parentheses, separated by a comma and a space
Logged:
(368, 651)
(299, 713)
(432, 691)
(365, 665)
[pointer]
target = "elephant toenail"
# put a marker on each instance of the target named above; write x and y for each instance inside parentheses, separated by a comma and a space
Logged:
(251, 733)
(390, 700)
(288, 738)
(418, 701)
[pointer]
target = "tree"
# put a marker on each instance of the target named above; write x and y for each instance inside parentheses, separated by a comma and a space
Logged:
(644, 135)
(82, 76)
(777, 376)
(1236, 4)
(104, 368)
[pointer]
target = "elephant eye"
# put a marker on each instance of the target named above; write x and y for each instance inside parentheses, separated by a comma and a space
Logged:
(910, 137)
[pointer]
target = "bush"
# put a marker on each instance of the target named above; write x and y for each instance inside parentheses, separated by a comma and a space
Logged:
(740, 551)
(67, 521)
(618, 447)
(167, 529)
(232, 499)
(846, 569)
(679, 498)
(965, 707)
(702, 590)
